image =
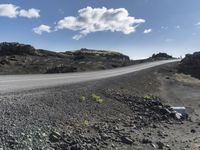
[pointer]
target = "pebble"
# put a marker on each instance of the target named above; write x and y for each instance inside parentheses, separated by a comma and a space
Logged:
(126, 140)
(146, 141)
(153, 145)
(113, 145)
(55, 136)
(160, 145)
(75, 147)
(193, 131)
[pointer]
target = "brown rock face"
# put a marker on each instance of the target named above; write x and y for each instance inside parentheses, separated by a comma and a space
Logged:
(191, 65)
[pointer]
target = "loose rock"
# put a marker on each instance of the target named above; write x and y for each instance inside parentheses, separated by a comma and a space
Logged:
(126, 140)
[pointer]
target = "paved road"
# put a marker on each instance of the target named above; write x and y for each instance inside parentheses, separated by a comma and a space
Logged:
(12, 83)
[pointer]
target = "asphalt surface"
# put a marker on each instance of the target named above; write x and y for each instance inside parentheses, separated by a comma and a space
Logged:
(15, 83)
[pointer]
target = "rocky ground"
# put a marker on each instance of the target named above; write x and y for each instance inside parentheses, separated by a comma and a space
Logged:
(126, 112)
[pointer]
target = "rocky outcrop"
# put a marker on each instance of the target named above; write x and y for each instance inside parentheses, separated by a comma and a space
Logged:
(161, 56)
(98, 55)
(191, 65)
(16, 49)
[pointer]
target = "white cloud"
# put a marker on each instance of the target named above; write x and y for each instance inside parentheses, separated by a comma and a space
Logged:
(178, 27)
(100, 19)
(146, 31)
(42, 28)
(8, 10)
(12, 11)
(197, 24)
(31, 13)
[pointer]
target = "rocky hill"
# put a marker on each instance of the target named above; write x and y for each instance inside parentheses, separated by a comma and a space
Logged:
(160, 56)
(191, 65)
(18, 58)
(7, 49)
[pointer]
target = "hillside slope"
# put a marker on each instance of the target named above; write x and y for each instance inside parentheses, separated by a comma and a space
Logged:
(18, 58)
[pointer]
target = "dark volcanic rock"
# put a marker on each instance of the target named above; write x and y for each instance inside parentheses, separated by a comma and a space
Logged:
(54, 137)
(61, 69)
(146, 141)
(126, 140)
(148, 111)
(191, 65)
(16, 49)
(18, 58)
(161, 56)
(193, 131)
(100, 55)
(160, 145)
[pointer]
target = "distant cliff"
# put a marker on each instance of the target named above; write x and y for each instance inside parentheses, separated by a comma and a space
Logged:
(18, 58)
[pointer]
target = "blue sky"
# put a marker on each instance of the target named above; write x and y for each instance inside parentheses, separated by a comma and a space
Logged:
(171, 26)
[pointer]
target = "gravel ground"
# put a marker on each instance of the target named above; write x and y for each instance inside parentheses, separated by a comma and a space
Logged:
(125, 112)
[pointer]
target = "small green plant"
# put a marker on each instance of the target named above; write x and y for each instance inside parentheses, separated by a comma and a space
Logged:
(82, 99)
(86, 123)
(98, 99)
(147, 97)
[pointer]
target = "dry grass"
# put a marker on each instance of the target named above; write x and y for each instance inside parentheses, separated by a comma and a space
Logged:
(187, 79)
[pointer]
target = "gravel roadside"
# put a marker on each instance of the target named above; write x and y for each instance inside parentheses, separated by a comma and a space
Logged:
(124, 112)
